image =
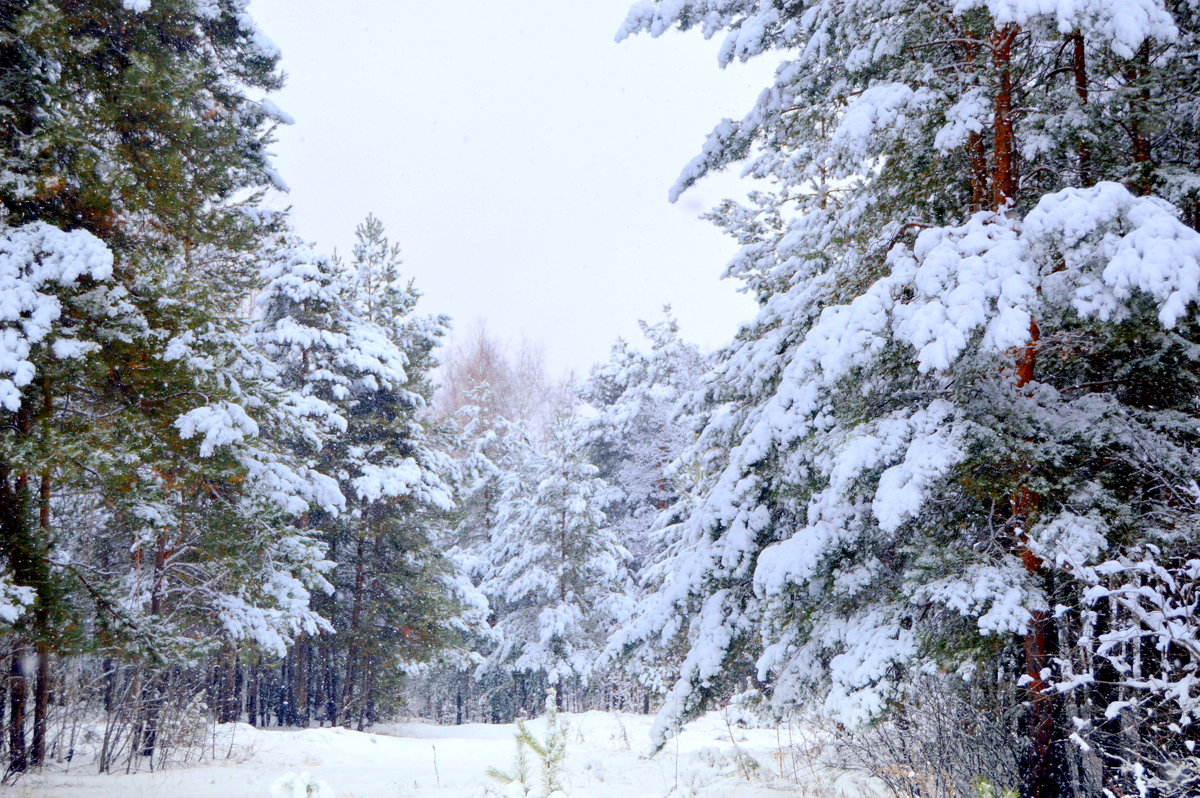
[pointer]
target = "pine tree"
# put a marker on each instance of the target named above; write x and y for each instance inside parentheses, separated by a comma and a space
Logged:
(142, 505)
(133, 120)
(496, 402)
(555, 572)
(932, 445)
(355, 358)
(635, 437)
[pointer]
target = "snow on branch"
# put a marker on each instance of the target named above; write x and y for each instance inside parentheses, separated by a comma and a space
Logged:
(36, 262)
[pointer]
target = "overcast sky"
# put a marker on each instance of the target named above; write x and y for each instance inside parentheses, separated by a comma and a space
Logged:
(519, 156)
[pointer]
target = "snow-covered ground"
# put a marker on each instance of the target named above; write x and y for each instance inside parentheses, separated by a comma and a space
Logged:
(606, 758)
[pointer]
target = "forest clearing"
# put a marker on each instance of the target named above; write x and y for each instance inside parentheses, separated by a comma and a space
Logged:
(607, 757)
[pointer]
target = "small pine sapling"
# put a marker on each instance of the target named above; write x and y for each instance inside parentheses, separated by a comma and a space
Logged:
(517, 780)
(300, 785)
(987, 789)
(550, 751)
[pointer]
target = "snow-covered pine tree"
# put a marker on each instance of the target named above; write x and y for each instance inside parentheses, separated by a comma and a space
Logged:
(158, 533)
(196, 543)
(554, 572)
(133, 122)
(486, 447)
(959, 436)
(354, 357)
(45, 277)
(133, 119)
(410, 585)
(496, 399)
(634, 435)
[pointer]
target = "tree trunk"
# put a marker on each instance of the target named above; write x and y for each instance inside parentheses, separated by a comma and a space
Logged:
(1004, 166)
(41, 692)
(110, 685)
(301, 678)
(367, 709)
(1079, 70)
(252, 716)
(41, 700)
(18, 756)
(332, 688)
(352, 650)
(152, 713)
(1046, 774)
(1044, 768)
(21, 546)
(229, 696)
(976, 152)
(1138, 127)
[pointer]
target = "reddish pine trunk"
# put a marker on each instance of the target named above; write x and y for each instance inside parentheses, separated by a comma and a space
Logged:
(1044, 767)
(1004, 166)
(979, 172)
(1028, 358)
(1045, 772)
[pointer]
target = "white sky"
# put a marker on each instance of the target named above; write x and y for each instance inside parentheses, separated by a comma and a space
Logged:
(519, 156)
